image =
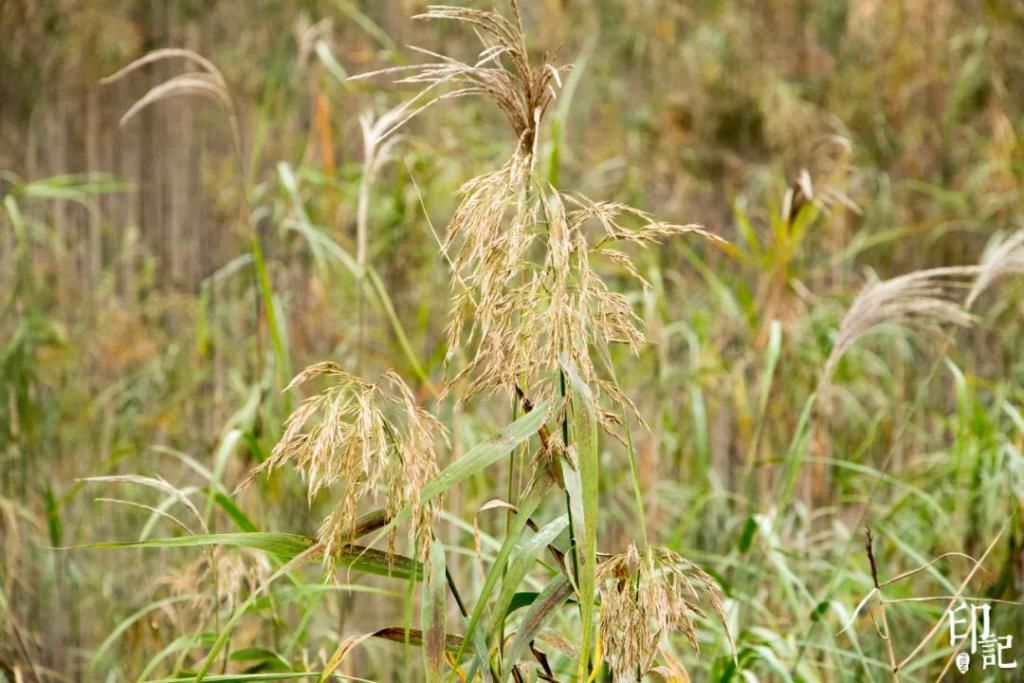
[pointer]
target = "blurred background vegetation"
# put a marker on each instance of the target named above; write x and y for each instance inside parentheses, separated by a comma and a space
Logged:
(131, 338)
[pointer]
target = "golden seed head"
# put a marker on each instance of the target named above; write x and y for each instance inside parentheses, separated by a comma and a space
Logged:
(525, 291)
(517, 308)
(367, 437)
(644, 596)
(217, 580)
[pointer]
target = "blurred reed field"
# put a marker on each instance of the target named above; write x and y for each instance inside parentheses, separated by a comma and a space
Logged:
(534, 341)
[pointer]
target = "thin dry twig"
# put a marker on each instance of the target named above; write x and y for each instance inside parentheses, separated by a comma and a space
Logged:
(887, 633)
(956, 596)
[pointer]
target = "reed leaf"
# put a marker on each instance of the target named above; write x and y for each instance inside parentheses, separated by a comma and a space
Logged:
(433, 614)
(584, 498)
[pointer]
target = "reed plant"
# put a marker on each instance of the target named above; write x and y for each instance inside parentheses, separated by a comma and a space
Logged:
(558, 438)
(536, 321)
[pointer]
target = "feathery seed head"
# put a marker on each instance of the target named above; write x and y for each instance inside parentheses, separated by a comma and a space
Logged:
(1001, 260)
(924, 299)
(519, 312)
(368, 436)
(525, 289)
(503, 71)
(646, 596)
(232, 574)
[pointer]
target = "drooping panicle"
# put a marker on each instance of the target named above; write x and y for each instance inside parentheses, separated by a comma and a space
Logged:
(1002, 259)
(361, 438)
(927, 300)
(645, 596)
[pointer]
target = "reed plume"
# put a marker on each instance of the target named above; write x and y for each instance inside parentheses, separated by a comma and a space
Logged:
(556, 305)
(646, 596)
(1003, 259)
(926, 300)
(217, 580)
(367, 436)
(525, 288)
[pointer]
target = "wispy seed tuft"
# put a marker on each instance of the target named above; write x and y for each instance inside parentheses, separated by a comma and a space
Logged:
(361, 437)
(926, 300)
(645, 596)
(1003, 259)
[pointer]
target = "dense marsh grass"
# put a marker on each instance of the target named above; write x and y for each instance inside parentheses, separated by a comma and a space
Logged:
(636, 344)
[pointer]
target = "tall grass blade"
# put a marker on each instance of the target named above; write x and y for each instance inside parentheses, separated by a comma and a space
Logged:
(433, 614)
(521, 560)
(527, 507)
(478, 458)
(282, 365)
(544, 606)
(584, 500)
